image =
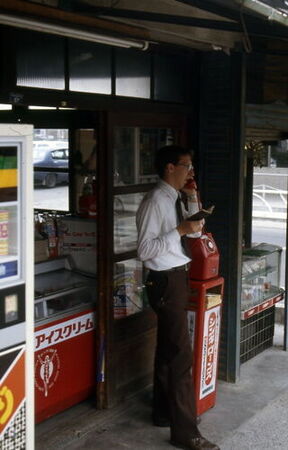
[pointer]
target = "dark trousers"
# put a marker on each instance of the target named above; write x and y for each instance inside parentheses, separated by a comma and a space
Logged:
(173, 388)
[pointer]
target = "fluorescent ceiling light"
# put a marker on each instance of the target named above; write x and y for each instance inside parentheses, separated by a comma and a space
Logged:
(41, 107)
(59, 30)
(5, 107)
(268, 11)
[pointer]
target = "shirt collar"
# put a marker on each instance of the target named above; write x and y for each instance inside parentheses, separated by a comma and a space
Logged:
(170, 190)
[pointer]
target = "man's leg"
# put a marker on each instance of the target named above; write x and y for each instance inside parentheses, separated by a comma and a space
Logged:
(175, 344)
(157, 283)
(161, 414)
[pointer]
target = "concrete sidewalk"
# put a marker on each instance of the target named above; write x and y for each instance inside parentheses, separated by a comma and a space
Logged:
(265, 430)
(249, 414)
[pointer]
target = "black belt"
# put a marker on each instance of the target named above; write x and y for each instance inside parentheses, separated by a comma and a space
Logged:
(183, 268)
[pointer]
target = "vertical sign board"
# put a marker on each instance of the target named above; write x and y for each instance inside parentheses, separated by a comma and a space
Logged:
(204, 320)
(16, 288)
(210, 351)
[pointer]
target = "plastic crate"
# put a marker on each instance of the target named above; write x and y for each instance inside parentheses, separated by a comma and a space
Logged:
(256, 334)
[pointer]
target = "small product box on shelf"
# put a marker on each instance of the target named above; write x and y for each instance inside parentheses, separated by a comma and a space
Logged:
(4, 219)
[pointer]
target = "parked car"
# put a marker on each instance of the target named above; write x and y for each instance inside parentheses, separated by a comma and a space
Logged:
(48, 157)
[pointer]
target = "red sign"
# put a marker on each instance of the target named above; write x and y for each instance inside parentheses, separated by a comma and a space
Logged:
(210, 347)
(12, 390)
(210, 351)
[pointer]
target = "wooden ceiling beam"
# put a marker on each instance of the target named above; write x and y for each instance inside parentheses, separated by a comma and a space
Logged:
(155, 17)
(254, 26)
(33, 10)
(212, 7)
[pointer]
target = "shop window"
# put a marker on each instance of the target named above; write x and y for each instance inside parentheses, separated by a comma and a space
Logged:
(51, 169)
(134, 150)
(85, 163)
(169, 78)
(133, 73)
(40, 61)
(125, 233)
(269, 210)
(89, 67)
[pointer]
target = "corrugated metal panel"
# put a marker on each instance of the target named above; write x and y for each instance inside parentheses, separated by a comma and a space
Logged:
(221, 165)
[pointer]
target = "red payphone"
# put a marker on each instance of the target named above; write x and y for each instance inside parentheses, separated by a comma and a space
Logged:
(204, 315)
(204, 319)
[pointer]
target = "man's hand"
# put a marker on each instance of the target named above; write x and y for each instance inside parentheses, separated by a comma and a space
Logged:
(189, 227)
(189, 191)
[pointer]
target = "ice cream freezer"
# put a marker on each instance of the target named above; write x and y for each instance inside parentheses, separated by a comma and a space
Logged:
(65, 341)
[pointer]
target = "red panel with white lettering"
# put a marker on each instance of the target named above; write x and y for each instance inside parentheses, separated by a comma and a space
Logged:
(205, 302)
(262, 306)
(65, 363)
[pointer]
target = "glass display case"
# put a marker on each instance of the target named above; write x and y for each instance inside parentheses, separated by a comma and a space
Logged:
(60, 291)
(65, 339)
(260, 279)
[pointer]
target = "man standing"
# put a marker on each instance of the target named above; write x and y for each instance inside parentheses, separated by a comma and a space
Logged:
(162, 231)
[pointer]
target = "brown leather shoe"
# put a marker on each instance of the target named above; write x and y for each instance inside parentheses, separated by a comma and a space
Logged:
(198, 443)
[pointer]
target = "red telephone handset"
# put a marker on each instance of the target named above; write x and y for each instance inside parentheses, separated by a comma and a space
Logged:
(191, 184)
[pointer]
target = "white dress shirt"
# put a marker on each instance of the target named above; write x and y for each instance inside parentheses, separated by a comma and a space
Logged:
(159, 243)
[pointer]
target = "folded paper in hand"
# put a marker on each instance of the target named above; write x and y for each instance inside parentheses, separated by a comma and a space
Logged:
(202, 213)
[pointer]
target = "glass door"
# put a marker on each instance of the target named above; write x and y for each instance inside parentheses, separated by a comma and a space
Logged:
(133, 154)
(128, 175)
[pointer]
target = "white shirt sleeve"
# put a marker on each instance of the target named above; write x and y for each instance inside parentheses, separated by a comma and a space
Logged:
(152, 241)
(193, 207)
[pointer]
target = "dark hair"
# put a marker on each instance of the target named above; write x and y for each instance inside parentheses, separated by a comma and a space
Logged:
(169, 154)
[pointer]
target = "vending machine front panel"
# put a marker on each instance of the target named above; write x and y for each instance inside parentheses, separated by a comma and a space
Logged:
(16, 287)
(10, 212)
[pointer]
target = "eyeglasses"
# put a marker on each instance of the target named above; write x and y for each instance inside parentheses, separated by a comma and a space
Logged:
(188, 166)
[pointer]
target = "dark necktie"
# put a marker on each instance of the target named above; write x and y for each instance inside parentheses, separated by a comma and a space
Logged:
(180, 218)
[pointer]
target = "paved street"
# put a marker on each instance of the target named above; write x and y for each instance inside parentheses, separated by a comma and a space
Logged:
(55, 198)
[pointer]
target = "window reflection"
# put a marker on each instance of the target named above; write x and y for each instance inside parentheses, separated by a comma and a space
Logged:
(90, 67)
(51, 162)
(40, 61)
(125, 232)
(134, 151)
(129, 292)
